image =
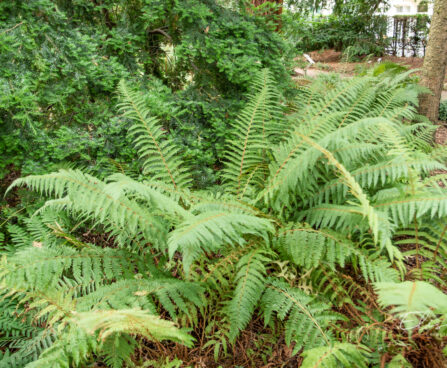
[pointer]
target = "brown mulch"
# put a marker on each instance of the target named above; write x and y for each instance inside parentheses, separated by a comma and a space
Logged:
(326, 56)
(332, 61)
(12, 199)
(441, 135)
(252, 349)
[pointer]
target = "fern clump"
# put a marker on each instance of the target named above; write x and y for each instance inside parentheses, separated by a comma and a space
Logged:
(315, 209)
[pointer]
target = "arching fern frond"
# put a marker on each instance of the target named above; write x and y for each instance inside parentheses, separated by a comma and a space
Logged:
(245, 155)
(130, 321)
(95, 200)
(87, 332)
(402, 209)
(41, 267)
(306, 318)
(208, 231)
(172, 294)
(308, 247)
(121, 184)
(413, 301)
(160, 156)
(298, 163)
(74, 345)
(117, 350)
(250, 284)
(378, 223)
(371, 176)
(336, 355)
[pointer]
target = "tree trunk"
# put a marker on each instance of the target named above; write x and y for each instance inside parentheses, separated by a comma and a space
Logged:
(277, 13)
(260, 2)
(435, 62)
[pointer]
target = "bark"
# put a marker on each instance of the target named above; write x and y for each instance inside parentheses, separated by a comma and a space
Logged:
(435, 62)
(260, 2)
(277, 13)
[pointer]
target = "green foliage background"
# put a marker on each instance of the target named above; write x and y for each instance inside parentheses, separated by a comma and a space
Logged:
(443, 111)
(366, 34)
(61, 61)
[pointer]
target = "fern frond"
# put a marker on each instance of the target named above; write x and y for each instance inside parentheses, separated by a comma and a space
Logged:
(245, 154)
(412, 301)
(96, 200)
(223, 202)
(338, 99)
(399, 362)
(210, 230)
(41, 268)
(309, 247)
(250, 284)
(22, 336)
(372, 176)
(73, 346)
(160, 156)
(336, 355)
(121, 184)
(296, 167)
(403, 209)
(131, 321)
(117, 350)
(172, 294)
(307, 319)
(377, 222)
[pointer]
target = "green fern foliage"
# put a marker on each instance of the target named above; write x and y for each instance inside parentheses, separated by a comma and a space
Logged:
(413, 301)
(83, 194)
(306, 319)
(255, 128)
(87, 296)
(338, 355)
(250, 283)
(117, 350)
(308, 247)
(109, 323)
(323, 211)
(160, 157)
(210, 230)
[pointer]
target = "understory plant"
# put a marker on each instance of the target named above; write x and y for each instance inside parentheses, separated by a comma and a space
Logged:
(357, 35)
(317, 207)
(61, 62)
(443, 111)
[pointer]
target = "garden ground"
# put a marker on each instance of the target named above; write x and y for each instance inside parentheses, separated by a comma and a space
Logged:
(331, 61)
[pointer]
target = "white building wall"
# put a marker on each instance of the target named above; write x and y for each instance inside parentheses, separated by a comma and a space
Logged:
(406, 7)
(396, 7)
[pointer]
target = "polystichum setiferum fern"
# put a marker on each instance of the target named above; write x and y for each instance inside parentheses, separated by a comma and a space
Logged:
(312, 210)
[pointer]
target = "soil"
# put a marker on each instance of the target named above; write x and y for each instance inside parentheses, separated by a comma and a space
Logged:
(330, 61)
(441, 135)
(12, 199)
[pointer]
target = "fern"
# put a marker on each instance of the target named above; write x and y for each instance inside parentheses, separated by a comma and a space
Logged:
(108, 323)
(117, 349)
(246, 162)
(210, 230)
(412, 301)
(250, 284)
(306, 319)
(337, 355)
(159, 155)
(92, 198)
(427, 241)
(69, 285)
(308, 247)
(314, 210)
(399, 362)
